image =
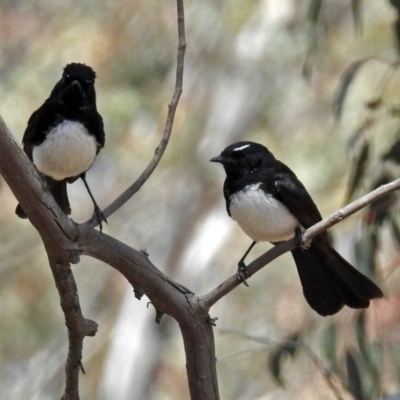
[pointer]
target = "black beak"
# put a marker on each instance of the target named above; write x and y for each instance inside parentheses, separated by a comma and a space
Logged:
(74, 90)
(216, 159)
(76, 85)
(223, 160)
(219, 159)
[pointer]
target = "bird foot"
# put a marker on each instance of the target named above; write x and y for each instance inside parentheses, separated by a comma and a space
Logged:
(100, 217)
(299, 240)
(242, 273)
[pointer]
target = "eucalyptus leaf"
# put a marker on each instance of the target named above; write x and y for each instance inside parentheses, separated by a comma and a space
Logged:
(279, 355)
(354, 382)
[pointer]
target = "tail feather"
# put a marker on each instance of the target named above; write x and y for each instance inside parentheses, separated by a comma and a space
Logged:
(330, 282)
(59, 191)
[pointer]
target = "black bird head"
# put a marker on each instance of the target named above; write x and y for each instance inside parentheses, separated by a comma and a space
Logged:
(243, 158)
(76, 86)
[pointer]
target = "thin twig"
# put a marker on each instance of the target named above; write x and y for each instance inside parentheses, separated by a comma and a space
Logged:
(159, 151)
(224, 288)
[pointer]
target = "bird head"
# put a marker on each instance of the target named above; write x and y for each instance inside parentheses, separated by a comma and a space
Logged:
(243, 158)
(76, 86)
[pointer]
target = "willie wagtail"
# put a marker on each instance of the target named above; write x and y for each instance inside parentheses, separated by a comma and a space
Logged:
(65, 134)
(270, 204)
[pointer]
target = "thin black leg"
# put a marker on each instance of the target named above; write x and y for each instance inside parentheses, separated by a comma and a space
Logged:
(242, 272)
(99, 215)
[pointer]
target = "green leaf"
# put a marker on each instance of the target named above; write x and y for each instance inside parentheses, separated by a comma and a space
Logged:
(354, 382)
(314, 13)
(395, 230)
(365, 250)
(365, 348)
(279, 355)
(358, 169)
(345, 81)
(329, 345)
(395, 4)
(360, 332)
(356, 6)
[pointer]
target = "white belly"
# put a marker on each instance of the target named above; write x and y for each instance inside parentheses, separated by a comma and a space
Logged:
(68, 151)
(262, 217)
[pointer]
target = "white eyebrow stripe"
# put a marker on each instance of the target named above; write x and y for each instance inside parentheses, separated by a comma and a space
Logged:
(241, 147)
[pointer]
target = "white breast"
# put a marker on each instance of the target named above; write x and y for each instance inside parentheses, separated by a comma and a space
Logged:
(69, 150)
(262, 217)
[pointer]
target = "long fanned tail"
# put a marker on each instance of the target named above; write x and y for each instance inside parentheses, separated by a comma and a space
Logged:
(330, 282)
(59, 191)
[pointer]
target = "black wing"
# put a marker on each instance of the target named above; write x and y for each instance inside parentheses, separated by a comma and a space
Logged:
(295, 197)
(38, 124)
(94, 124)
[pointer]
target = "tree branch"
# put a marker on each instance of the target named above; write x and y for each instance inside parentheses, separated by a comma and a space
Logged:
(170, 298)
(78, 326)
(58, 233)
(159, 151)
(221, 290)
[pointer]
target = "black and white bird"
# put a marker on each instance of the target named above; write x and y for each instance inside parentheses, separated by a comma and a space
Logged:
(65, 134)
(270, 204)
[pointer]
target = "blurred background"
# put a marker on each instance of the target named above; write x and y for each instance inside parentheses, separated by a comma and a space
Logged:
(261, 70)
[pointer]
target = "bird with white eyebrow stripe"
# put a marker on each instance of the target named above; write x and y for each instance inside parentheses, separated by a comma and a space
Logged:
(270, 204)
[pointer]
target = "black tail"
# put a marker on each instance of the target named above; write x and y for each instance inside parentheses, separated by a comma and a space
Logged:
(330, 282)
(59, 191)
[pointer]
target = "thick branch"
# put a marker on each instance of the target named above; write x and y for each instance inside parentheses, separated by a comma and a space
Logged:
(200, 360)
(211, 298)
(78, 326)
(58, 233)
(170, 298)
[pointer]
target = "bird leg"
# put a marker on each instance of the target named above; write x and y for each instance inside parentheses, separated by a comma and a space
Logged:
(99, 215)
(242, 271)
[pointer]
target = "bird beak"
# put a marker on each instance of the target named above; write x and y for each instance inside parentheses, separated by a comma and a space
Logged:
(219, 159)
(78, 85)
(76, 88)
(223, 160)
